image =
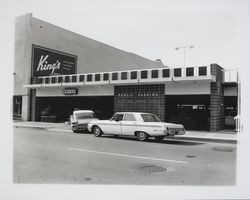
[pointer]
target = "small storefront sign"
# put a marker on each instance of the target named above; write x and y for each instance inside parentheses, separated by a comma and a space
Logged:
(47, 62)
(70, 91)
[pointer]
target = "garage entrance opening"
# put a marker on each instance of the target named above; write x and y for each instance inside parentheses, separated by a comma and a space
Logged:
(190, 110)
(63, 107)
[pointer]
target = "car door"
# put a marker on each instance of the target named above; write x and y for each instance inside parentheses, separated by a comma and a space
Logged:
(128, 124)
(114, 126)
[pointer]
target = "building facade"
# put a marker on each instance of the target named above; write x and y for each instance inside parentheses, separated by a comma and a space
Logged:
(57, 71)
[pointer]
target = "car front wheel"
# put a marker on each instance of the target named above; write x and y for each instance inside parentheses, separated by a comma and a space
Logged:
(142, 136)
(97, 131)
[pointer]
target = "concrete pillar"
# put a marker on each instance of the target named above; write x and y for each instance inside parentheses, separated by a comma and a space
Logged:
(217, 118)
(25, 108)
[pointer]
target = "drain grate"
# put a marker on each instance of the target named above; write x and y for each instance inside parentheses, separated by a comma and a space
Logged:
(190, 156)
(153, 169)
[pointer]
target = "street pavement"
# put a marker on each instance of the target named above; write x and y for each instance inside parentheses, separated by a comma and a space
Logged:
(47, 156)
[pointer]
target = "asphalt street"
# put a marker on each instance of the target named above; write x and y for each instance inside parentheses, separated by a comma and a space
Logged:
(42, 156)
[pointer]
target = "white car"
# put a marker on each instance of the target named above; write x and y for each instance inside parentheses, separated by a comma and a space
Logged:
(141, 125)
(80, 119)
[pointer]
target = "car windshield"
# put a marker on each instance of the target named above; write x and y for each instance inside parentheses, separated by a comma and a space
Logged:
(85, 115)
(150, 118)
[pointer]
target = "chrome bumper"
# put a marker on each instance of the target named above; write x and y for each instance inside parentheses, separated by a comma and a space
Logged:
(172, 132)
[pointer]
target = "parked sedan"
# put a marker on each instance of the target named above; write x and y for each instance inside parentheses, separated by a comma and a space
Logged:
(80, 119)
(140, 125)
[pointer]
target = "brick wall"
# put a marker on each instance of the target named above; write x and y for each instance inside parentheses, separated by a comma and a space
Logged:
(140, 98)
(217, 100)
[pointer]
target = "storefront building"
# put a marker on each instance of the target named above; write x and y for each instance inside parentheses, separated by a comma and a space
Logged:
(57, 71)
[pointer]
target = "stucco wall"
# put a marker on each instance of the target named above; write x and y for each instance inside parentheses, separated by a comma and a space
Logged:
(23, 41)
(92, 56)
(186, 88)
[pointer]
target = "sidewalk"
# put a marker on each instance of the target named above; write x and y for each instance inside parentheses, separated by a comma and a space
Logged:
(225, 136)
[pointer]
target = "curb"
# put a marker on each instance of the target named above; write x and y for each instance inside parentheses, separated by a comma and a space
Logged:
(60, 130)
(191, 138)
(206, 139)
(35, 127)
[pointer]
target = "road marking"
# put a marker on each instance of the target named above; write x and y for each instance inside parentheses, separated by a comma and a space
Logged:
(125, 155)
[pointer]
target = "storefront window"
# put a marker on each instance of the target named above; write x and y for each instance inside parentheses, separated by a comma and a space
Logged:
(17, 106)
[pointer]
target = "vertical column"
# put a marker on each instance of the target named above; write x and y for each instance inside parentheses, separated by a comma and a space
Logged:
(34, 106)
(25, 107)
(216, 100)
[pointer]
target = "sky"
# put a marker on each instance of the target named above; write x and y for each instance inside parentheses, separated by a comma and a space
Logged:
(153, 29)
(219, 30)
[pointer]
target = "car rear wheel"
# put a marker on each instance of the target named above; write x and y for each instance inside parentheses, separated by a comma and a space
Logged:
(142, 136)
(97, 131)
(159, 138)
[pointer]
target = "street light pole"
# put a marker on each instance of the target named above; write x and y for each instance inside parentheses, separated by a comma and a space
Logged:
(184, 52)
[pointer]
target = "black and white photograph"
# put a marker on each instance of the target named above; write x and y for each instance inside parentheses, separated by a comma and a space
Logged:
(125, 99)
